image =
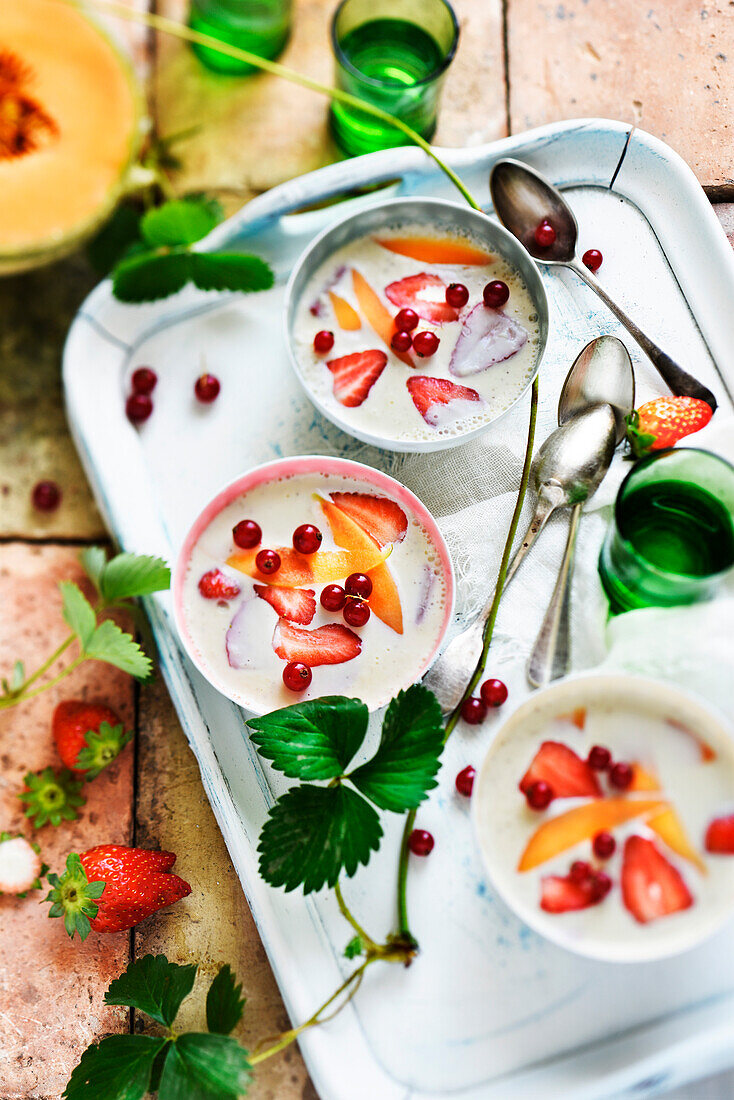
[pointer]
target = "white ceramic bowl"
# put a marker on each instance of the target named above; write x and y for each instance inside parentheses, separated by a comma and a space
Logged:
(662, 938)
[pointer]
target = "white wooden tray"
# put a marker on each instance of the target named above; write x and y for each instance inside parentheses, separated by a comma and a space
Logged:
(488, 1010)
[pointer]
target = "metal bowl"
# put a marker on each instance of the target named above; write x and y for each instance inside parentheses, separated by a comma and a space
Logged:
(440, 216)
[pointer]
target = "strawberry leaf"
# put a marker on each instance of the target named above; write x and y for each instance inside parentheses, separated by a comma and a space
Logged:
(230, 271)
(118, 1068)
(205, 1067)
(312, 834)
(78, 612)
(151, 275)
(110, 644)
(94, 559)
(51, 797)
(180, 222)
(404, 768)
(312, 740)
(224, 1003)
(153, 985)
(128, 576)
(354, 948)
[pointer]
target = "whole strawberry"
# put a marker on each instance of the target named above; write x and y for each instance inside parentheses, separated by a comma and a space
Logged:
(111, 888)
(88, 736)
(662, 422)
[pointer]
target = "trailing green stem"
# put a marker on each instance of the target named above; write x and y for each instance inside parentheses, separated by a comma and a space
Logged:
(371, 945)
(12, 701)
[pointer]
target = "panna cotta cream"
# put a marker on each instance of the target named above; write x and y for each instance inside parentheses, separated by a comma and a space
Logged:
(605, 814)
(267, 639)
(459, 365)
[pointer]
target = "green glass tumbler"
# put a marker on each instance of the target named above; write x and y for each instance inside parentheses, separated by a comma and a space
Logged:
(393, 54)
(260, 26)
(672, 538)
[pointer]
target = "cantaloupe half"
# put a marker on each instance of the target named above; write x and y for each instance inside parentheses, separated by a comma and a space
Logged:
(70, 126)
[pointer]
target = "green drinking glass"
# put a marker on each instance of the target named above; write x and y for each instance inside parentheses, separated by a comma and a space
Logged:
(260, 26)
(672, 538)
(393, 54)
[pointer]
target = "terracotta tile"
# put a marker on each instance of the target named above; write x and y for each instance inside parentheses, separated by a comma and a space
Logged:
(725, 213)
(667, 67)
(213, 925)
(51, 989)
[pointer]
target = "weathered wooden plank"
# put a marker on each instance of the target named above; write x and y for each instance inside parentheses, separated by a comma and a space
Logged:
(257, 131)
(51, 988)
(213, 925)
(667, 67)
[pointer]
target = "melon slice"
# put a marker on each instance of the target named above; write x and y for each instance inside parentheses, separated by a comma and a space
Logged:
(69, 129)
(301, 570)
(436, 250)
(347, 317)
(565, 831)
(643, 779)
(669, 828)
(384, 600)
(378, 315)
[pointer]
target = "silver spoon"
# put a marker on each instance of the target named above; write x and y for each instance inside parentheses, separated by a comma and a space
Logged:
(602, 373)
(566, 470)
(522, 198)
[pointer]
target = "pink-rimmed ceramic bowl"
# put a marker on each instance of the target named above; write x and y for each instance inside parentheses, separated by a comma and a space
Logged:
(395, 670)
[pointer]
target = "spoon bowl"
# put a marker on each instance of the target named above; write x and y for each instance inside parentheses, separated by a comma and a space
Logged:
(601, 374)
(522, 198)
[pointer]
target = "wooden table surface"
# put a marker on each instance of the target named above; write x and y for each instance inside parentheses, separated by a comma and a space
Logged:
(667, 66)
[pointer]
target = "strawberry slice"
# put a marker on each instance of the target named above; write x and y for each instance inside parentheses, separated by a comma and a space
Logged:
(424, 293)
(297, 605)
(720, 836)
(651, 887)
(356, 374)
(567, 775)
(561, 894)
(432, 395)
(215, 586)
(327, 645)
(380, 517)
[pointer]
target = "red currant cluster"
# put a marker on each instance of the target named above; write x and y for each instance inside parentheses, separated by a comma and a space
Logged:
(492, 693)
(351, 600)
(424, 343)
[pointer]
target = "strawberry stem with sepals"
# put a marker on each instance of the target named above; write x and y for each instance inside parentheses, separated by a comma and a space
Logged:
(51, 797)
(100, 748)
(74, 897)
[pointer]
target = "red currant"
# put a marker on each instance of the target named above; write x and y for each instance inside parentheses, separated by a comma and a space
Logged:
(356, 612)
(406, 320)
(144, 380)
(493, 692)
(207, 388)
(297, 676)
(539, 795)
(545, 234)
(603, 845)
(46, 496)
(601, 884)
(267, 561)
(138, 407)
(599, 758)
(457, 295)
(421, 842)
(333, 597)
(473, 711)
(495, 294)
(593, 259)
(621, 776)
(323, 341)
(425, 344)
(401, 340)
(465, 781)
(358, 584)
(247, 534)
(307, 539)
(580, 870)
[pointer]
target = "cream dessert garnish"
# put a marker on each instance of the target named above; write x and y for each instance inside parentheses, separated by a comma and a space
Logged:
(411, 337)
(310, 585)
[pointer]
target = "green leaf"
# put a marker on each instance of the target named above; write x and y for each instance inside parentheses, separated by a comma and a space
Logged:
(118, 1068)
(179, 222)
(17, 678)
(312, 740)
(114, 239)
(94, 559)
(229, 271)
(150, 276)
(312, 834)
(224, 1003)
(205, 1067)
(354, 948)
(153, 985)
(110, 644)
(128, 576)
(78, 612)
(404, 768)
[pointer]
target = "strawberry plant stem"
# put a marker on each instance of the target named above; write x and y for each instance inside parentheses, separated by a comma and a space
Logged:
(11, 702)
(370, 944)
(46, 665)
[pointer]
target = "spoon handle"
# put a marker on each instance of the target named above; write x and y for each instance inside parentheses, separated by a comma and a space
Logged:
(677, 380)
(550, 656)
